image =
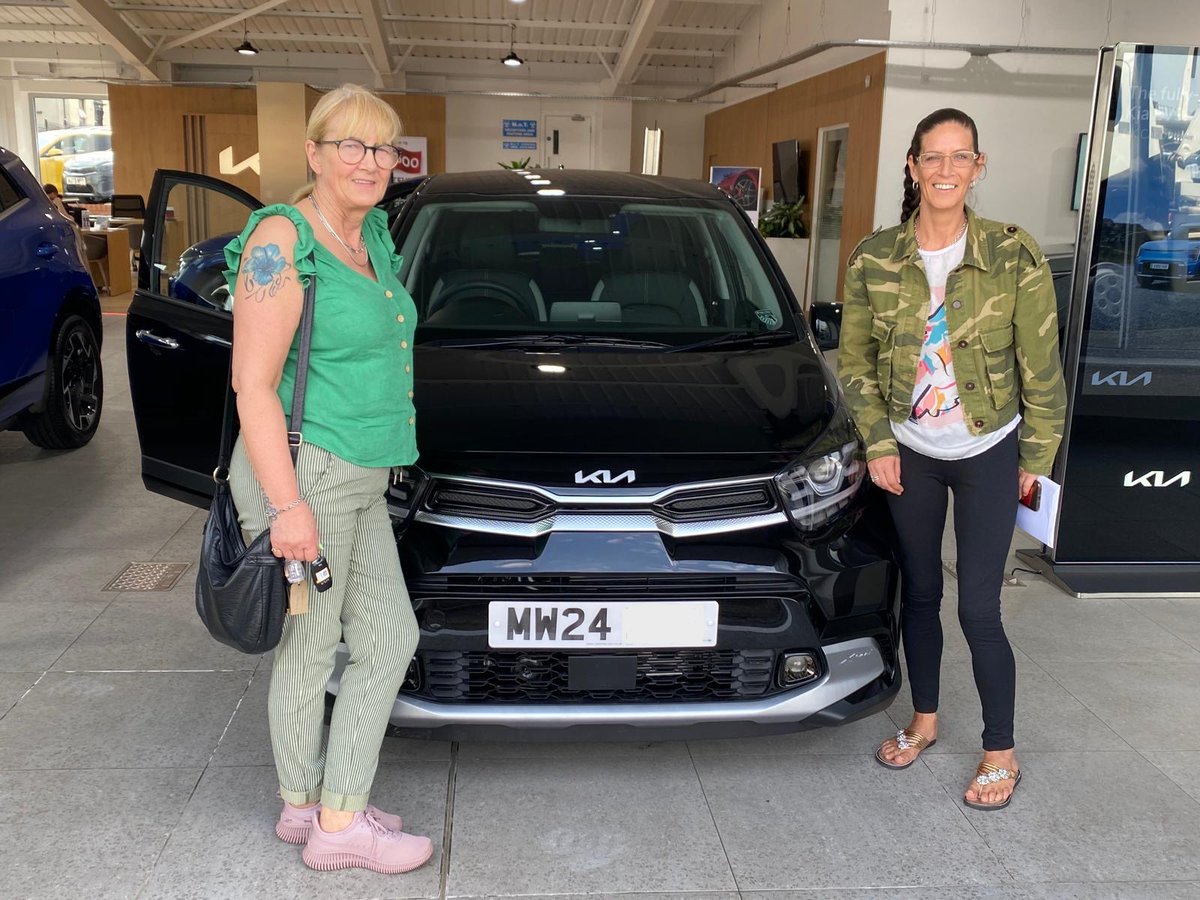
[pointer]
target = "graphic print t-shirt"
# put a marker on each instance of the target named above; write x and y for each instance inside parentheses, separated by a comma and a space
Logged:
(937, 426)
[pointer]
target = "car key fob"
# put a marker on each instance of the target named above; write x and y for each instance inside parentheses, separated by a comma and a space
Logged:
(321, 576)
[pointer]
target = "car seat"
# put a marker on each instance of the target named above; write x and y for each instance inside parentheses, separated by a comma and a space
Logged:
(649, 280)
(488, 275)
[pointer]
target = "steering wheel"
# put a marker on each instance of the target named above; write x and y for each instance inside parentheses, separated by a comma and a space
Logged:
(480, 290)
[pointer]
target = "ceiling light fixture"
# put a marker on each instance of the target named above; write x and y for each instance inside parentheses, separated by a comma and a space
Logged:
(245, 47)
(512, 60)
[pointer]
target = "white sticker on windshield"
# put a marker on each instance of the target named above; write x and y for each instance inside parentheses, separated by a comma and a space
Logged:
(767, 317)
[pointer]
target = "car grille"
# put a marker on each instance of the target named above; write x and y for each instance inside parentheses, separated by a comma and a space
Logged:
(742, 500)
(517, 505)
(488, 502)
(519, 676)
(1174, 270)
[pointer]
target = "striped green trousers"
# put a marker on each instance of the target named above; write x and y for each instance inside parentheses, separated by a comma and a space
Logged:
(368, 606)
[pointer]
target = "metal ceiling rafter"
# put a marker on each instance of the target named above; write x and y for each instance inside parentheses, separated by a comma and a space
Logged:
(380, 56)
(222, 23)
(414, 19)
(115, 32)
(519, 45)
(637, 42)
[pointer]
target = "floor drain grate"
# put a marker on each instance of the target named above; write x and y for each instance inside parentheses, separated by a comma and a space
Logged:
(147, 576)
(951, 568)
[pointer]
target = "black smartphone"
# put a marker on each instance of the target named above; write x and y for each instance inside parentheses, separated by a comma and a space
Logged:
(1033, 497)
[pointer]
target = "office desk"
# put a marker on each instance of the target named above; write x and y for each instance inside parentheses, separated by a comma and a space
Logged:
(115, 264)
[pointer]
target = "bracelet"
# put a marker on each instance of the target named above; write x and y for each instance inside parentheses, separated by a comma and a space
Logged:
(273, 512)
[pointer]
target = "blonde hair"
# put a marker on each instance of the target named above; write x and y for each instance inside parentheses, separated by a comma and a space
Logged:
(359, 113)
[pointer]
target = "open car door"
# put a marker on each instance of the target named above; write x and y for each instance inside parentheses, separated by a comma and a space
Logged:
(180, 330)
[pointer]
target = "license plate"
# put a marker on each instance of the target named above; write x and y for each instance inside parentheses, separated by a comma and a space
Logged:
(76, 182)
(1160, 266)
(689, 623)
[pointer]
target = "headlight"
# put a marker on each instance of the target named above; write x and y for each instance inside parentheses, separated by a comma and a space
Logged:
(815, 490)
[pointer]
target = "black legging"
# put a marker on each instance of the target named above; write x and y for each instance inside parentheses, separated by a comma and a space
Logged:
(985, 511)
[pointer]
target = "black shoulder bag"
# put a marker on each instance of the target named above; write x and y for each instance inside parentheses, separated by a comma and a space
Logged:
(241, 592)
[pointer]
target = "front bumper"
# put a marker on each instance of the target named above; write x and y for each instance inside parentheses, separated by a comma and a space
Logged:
(856, 681)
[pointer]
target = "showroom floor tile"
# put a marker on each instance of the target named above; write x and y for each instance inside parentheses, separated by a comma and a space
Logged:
(118, 707)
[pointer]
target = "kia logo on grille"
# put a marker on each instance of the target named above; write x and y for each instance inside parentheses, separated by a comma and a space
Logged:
(605, 476)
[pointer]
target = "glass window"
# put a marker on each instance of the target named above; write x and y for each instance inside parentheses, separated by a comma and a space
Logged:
(685, 268)
(190, 263)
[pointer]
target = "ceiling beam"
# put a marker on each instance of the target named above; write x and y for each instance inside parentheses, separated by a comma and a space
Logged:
(115, 32)
(647, 18)
(211, 10)
(59, 52)
(222, 23)
(519, 45)
(504, 22)
(42, 26)
(383, 60)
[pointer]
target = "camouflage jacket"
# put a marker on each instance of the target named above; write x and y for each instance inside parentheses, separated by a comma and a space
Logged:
(1003, 324)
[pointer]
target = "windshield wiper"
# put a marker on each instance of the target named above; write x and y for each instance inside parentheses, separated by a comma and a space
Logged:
(746, 338)
(549, 340)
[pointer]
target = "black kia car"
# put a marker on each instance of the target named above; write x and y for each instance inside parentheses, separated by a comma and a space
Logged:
(640, 507)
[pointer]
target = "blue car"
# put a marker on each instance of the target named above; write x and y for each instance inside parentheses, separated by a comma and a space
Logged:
(1175, 259)
(201, 274)
(51, 384)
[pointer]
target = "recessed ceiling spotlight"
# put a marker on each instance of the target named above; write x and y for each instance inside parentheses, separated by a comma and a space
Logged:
(551, 370)
(551, 192)
(540, 181)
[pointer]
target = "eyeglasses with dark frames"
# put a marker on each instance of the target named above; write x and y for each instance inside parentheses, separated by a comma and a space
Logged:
(351, 151)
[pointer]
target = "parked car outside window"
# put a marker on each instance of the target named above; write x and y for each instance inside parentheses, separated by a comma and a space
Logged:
(639, 508)
(57, 148)
(51, 384)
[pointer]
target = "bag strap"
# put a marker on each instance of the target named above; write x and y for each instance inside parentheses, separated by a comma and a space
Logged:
(295, 436)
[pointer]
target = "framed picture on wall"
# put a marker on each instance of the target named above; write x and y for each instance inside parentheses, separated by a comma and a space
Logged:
(742, 184)
(1080, 170)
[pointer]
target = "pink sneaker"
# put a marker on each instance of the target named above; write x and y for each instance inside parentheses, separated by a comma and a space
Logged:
(366, 844)
(295, 822)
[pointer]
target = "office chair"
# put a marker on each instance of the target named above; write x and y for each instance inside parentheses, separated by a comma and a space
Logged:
(128, 206)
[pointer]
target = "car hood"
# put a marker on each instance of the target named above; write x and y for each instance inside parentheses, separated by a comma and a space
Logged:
(671, 416)
(89, 160)
(1167, 246)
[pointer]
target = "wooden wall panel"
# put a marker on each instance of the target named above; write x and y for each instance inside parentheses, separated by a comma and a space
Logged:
(147, 126)
(742, 134)
(424, 115)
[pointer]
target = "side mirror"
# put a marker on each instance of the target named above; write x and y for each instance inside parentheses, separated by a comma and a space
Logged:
(825, 318)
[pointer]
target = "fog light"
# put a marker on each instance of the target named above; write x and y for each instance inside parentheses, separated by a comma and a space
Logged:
(799, 667)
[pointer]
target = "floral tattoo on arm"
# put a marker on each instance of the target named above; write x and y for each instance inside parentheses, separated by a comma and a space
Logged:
(265, 272)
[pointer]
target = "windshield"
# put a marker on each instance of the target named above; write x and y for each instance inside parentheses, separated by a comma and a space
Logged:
(675, 272)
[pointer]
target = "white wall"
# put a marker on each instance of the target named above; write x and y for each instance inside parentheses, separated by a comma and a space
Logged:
(474, 139)
(773, 31)
(1029, 108)
(682, 127)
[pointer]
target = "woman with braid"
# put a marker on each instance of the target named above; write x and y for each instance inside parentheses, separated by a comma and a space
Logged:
(949, 357)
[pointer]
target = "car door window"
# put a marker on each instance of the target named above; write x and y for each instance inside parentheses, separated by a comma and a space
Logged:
(9, 194)
(190, 251)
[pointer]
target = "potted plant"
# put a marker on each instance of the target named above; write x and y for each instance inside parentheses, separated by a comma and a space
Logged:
(786, 234)
(515, 163)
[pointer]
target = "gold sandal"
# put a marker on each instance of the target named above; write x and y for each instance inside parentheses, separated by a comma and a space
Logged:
(989, 774)
(905, 740)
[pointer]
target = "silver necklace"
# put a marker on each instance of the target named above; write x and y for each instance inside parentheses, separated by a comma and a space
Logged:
(353, 251)
(917, 237)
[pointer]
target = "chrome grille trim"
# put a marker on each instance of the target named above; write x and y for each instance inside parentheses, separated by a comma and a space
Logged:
(590, 496)
(603, 522)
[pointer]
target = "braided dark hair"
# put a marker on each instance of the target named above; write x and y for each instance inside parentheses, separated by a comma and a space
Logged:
(947, 115)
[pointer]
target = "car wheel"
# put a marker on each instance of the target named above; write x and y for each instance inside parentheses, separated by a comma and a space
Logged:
(74, 391)
(1108, 291)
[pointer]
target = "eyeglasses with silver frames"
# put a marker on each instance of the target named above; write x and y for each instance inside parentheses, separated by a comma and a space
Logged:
(960, 159)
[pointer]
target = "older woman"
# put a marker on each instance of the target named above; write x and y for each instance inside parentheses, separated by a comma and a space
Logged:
(358, 425)
(949, 356)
